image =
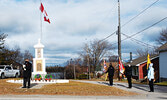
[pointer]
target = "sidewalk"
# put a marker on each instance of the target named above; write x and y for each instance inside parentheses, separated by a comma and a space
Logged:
(35, 86)
(159, 93)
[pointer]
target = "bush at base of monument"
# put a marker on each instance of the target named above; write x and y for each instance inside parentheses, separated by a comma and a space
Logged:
(48, 77)
(38, 77)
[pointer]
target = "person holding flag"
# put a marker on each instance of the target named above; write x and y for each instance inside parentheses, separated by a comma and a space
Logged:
(128, 74)
(150, 74)
(150, 77)
(110, 71)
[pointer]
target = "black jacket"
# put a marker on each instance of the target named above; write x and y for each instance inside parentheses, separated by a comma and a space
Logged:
(110, 71)
(128, 71)
(28, 67)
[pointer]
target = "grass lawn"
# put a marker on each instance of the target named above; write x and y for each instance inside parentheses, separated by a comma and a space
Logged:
(162, 83)
(71, 88)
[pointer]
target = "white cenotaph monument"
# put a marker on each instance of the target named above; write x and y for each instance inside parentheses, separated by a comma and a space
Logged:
(39, 61)
(39, 67)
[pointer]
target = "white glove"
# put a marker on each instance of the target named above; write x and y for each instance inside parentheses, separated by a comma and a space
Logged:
(24, 67)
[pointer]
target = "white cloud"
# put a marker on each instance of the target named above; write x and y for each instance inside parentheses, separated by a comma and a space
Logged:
(62, 55)
(74, 21)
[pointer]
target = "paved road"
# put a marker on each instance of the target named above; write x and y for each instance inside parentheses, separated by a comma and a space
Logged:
(160, 93)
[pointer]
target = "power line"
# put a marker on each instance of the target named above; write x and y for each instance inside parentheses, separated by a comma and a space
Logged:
(108, 36)
(143, 30)
(147, 27)
(140, 13)
(138, 41)
(131, 19)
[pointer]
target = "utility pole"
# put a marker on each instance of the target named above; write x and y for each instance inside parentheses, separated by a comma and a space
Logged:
(64, 73)
(74, 71)
(89, 69)
(119, 37)
(88, 62)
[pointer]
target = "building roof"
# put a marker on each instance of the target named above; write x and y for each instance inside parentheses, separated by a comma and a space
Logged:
(142, 60)
(162, 48)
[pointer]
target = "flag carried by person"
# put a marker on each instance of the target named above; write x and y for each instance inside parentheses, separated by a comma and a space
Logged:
(105, 66)
(106, 77)
(121, 67)
(43, 11)
(148, 61)
(105, 69)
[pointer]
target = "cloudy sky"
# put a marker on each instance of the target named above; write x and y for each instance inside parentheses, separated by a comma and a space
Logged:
(75, 22)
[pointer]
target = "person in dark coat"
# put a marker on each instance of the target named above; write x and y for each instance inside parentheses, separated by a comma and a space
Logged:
(128, 74)
(27, 67)
(110, 71)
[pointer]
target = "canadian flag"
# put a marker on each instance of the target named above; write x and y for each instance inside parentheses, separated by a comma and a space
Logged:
(121, 66)
(44, 13)
(41, 8)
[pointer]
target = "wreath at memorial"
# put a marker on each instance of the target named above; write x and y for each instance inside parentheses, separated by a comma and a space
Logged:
(38, 77)
(48, 77)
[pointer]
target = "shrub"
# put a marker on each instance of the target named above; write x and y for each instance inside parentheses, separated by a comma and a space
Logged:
(83, 76)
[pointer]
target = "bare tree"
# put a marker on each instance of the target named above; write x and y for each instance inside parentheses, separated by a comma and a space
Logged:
(73, 68)
(16, 54)
(12, 56)
(27, 55)
(95, 51)
(162, 39)
(2, 40)
(141, 52)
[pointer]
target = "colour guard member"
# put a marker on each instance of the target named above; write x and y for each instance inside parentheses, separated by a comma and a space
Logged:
(150, 77)
(27, 67)
(128, 74)
(110, 71)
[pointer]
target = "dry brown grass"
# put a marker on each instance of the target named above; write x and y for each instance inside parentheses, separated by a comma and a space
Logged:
(72, 88)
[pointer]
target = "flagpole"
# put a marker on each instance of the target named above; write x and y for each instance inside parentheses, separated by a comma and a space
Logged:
(119, 38)
(41, 21)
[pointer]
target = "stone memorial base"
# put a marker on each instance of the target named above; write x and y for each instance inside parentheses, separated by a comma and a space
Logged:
(42, 81)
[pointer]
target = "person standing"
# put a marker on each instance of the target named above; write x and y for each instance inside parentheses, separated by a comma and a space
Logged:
(150, 77)
(128, 74)
(27, 67)
(110, 71)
